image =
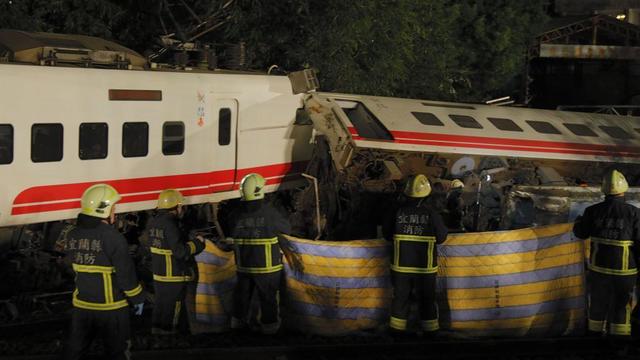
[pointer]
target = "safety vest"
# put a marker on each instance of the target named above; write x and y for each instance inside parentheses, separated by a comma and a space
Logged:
(612, 257)
(165, 257)
(258, 256)
(100, 277)
(414, 254)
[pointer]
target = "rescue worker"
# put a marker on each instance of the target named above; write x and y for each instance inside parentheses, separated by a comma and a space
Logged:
(106, 281)
(172, 257)
(414, 263)
(614, 229)
(455, 206)
(255, 227)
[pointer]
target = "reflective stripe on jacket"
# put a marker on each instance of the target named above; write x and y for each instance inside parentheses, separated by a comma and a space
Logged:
(417, 231)
(258, 256)
(170, 252)
(614, 229)
(612, 257)
(414, 244)
(105, 274)
(255, 226)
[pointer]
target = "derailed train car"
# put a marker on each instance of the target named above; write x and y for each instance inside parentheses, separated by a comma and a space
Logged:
(515, 162)
(79, 110)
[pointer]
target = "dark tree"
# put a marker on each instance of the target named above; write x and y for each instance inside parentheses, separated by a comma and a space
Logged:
(464, 50)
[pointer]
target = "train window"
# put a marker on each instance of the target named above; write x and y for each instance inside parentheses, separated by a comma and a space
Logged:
(427, 118)
(637, 130)
(543, 127)
(46, 142)
(135, 139)
(93, 141)
(302, 118)
(616, 132)
(465, 121)
(173, 138)
(6, 144)
(580, 130)
(504, 124)
(224, 126)
(366, 123)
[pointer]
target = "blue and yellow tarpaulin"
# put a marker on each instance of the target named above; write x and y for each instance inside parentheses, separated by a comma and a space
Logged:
(519, 282)
(213, 300)
(513, 283)
(337, 287)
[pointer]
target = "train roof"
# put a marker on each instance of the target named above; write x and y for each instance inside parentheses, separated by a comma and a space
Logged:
(446, 127)
(35, 47)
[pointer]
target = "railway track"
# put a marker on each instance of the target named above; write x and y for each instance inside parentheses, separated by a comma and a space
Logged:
(384, 349)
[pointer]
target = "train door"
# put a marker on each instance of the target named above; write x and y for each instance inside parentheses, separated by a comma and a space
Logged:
(225, 114)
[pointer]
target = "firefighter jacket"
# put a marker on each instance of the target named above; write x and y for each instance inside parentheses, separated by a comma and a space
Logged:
(170, 252)
(255, 226)
(105, 274)
(614, 229)
(416, 232)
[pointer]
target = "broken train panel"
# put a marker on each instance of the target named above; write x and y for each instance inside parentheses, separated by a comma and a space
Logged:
(366, 146)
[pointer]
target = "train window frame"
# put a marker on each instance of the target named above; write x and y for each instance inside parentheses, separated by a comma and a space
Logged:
(465, 121)
(302, 117)
(224, 126)
(580, 130)
(8, 159)
(104, 149)
(50, 152)
(505, 124)
(127, 143)
(366, 123)
(168, 141)
(543, 127)
(616, 132)
(427, 118)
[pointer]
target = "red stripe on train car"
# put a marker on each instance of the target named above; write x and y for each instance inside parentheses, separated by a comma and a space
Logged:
(446, 140)
(124, 186)
(212, 182)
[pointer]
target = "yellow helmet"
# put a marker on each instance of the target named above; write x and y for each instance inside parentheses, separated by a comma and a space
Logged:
(252, 187)
(614, 183)
(170, 198)
(455, 184)
(98, 200)
(418, 186)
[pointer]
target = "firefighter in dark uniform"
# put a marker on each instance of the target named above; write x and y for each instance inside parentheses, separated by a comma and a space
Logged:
(614, 229)
(106, 281)
(255, 227)
(172, 257)
(455, 207)
(414, 263)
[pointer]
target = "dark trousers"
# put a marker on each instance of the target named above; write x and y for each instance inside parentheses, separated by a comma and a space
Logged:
(169, 311)
(610, 300)
(112, 326)
(267, 286)
(424, 288)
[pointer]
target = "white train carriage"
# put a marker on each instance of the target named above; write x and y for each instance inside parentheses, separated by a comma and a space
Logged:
(142, 131)
(375, 142)
(63, 129)
(470, 129)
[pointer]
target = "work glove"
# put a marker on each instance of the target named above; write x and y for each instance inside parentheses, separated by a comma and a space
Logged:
(137, 308)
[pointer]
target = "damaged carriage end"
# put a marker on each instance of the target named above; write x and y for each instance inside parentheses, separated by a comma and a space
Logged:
(326, 122)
